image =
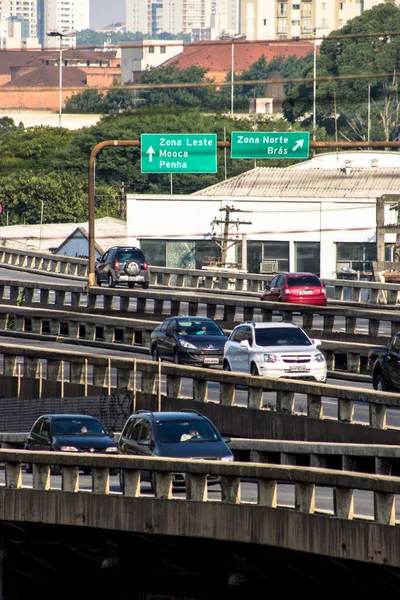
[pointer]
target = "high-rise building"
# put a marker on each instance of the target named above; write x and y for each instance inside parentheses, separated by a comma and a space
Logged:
(225, 18)
(23, 12)
(172, 20)
(196, 15)
(62, 15)
(139, 16)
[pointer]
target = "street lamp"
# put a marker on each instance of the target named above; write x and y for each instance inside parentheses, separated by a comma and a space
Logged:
(315, 84)
(237, 36)
(60, 35)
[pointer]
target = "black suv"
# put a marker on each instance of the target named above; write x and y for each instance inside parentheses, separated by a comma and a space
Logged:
(123, 264)
(182, 434)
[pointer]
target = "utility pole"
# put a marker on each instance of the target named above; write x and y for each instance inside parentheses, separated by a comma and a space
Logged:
(227, 225)
(122, 202)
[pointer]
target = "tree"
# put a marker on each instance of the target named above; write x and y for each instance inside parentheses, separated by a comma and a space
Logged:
(349, 57)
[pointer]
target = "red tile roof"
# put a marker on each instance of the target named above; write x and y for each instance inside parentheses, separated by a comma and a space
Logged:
(50, 77)
(217, 56)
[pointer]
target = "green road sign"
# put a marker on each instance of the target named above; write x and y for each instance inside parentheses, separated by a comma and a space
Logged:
(179, 153)
(269, 144)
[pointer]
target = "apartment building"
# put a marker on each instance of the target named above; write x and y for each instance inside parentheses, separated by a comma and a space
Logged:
(288, 19)
(139, 15)
(18, 24)
(61, 15)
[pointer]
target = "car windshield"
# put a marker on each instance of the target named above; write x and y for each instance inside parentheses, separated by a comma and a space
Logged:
(193, 327)
(281, 336)
(186, 430)
(63, 426)
(303, 280)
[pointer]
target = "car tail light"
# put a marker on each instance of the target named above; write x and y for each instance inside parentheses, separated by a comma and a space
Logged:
(145, 266)
(116, 265)
(323, 291)
(288, 290)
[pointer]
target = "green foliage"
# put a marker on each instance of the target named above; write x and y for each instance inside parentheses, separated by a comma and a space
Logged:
(348, 57)
(89, 37)
(94, 102)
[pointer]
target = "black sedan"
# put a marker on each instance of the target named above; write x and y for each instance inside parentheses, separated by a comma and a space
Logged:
(69, 433)
(188, 340)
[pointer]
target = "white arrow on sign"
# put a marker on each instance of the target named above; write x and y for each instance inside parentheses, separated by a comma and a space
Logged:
(150, 152)
(299, 144)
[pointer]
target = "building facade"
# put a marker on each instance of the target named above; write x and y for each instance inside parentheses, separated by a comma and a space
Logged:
(18, 24)
(138, 56)
(62, 15)
(139, 16)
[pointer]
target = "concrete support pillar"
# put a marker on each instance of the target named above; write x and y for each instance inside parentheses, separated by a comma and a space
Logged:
(124, 304)
(314, 407)
(392, 297)
(54, 327)
(258, 457)
(329, 321)
(131, 483)
(377, 416)
(108, 302)
(32, 367)
(248, 313)
(179, 281)
(305, 497)
(229, 313)
(211, 311)
(287, 458)
(123, 378)
(166, 279)
(345, 410)
(141, 306)
(373, 327)
(75, 299)
(10, 365)
(19, 323)
(356, 294)
(382, 466)
(108, 333)
(73, 330)
(230, 490)
(77, 372)
(227, 394)
(174, 386)
(70, 479)
(14, 293)
(343, 499)
(91, 301)
(145, 338)
(149, 383)
(175, 307)
(41, 477)
(163, 485)
(196, 487)
(200, 390)
(36, 325)
(266, 315)
(285, 402)
(194, 281)
(28, 295)
(54, 369)
(353, 362)
(60, 298)
(100, 376)
(44, 296)
(384, 508)
(193, 308)
(349, 463)
(128, 336)
(101, 480)
(267, 493)
(350, 324)
(90, 331)
(308, 321)
(330, 359)
(13, 475)
(158, 306)
(318, 461)
(255, 397)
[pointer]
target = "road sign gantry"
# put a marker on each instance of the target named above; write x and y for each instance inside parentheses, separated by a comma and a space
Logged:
(178, 153)
(270, 144)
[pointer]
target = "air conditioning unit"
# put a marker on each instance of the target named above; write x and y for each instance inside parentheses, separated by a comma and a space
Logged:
(268, 266)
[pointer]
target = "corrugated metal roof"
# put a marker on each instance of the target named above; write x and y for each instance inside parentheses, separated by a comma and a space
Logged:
(357, 183)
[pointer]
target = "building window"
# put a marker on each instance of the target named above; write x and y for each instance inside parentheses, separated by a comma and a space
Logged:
(151, 49)
(307, 257)
(259, 252)
(352, 256)
(163, 49)
(295, 6)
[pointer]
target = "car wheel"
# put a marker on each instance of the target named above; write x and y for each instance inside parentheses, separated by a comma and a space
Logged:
(111, 282)
(145, 285)
(154, 354)
(226, 366)
(131, 284)
(176, 358)
(98, 282)
(253, 369)
(379, 384)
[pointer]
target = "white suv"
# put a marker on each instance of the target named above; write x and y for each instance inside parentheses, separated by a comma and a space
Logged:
(274, 350)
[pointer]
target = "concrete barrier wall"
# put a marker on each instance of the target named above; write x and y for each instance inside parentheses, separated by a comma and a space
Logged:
(240, 405)
(338, 532)
(356, 291)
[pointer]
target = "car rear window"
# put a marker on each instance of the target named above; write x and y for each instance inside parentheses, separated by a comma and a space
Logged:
(303, 280)
(124, 255)
(281, 336)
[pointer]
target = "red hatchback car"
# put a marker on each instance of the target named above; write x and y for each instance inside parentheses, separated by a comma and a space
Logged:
(297, 288)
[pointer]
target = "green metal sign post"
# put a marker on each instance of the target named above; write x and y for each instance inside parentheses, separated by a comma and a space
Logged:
(270, 144)
(178, 153)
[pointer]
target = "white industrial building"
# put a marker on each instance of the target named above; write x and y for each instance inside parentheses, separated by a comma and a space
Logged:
(318, 216)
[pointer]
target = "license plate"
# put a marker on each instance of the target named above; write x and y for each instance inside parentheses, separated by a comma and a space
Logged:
(302, 292)
(211, 361)
(298, 369)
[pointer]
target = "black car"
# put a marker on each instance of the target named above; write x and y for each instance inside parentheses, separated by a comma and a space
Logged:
(69, 433)
(123, 264)
(181, 434)
(188, 340)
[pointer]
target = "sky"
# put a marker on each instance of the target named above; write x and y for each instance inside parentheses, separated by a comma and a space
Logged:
(104, 12)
